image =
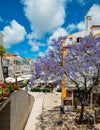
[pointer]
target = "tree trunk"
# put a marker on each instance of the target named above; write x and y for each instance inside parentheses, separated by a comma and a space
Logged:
(81, 116)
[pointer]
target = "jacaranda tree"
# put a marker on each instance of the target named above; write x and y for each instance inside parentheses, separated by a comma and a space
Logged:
(83, 66)
(50, 64)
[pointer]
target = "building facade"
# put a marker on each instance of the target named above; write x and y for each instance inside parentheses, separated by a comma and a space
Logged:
(17, 65)
(1, 73)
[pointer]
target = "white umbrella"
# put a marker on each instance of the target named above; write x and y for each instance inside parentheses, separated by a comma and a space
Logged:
(26, 76)
(20, 79)
(10, 80)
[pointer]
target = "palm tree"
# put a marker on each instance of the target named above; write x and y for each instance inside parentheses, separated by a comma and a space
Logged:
(2, 51)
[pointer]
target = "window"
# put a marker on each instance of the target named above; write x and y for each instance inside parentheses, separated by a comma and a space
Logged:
(70, 38)
(79, 39)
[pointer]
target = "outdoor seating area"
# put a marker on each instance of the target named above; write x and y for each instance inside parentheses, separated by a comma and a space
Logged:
(22, 78)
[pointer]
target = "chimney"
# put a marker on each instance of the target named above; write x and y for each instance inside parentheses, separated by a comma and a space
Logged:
(88, 24)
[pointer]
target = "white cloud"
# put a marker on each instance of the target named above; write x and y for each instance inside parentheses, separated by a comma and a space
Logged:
(13, 34)
(16, 52)
(60, 32)
(44, 15)
(35, 48)
(41, 54)
(32, 35)
(81, 25)
(82, 2)
(95, 13)
(34, 45)
(71, 27)
(49, 48)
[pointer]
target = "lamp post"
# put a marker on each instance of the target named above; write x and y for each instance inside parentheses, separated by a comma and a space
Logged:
(64, 81)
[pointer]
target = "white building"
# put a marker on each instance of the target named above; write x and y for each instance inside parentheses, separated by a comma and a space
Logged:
(90, 29)
(14, 64)
(26, 68)
(31, 65)
(18, 65)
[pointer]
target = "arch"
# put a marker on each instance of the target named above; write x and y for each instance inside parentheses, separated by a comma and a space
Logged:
(72, 36)
(97, 35)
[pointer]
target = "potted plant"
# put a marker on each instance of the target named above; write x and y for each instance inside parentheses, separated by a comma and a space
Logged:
(4, 89)
(1, 94)
(10, 87)
(16, 86)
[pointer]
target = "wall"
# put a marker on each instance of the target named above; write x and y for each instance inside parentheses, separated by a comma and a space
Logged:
(5, 117)
(15, 114)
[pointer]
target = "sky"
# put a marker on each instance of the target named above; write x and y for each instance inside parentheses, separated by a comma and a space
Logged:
(29, 25)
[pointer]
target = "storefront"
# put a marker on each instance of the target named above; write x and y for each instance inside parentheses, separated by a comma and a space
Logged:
(71, 93)
(68, 101)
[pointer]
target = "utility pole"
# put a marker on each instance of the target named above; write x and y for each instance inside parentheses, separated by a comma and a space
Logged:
(64, 81)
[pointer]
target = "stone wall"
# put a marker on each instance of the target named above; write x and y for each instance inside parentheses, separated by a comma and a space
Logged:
(15, 114)
(5, 117)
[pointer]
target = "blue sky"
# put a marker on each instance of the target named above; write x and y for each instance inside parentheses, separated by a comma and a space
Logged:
(29, 25)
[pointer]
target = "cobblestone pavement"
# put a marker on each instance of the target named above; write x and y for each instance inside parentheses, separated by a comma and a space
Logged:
(46, 115)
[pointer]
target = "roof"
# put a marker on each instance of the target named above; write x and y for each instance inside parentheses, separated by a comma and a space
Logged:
(95, 26)
(29, 59)
(78, 34)
(10, 55)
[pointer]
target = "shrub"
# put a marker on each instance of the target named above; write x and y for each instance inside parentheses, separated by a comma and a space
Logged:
(58, 90)
(10, 87)
(36, 89)
(21, 85)
(1, 91)
(46, 90)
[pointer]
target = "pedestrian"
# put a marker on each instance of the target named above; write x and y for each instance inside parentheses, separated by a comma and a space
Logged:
(62, 111)
(30, 86)
(26, 88)
(52, 87)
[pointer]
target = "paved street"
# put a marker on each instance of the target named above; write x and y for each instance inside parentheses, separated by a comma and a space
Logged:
(36, 111)
(45, 114)
(43, 102)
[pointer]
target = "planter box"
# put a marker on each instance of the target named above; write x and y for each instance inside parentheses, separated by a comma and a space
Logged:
(1, 98)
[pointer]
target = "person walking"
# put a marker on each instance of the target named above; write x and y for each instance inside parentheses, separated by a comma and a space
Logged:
(62, 111)
(28, 86)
